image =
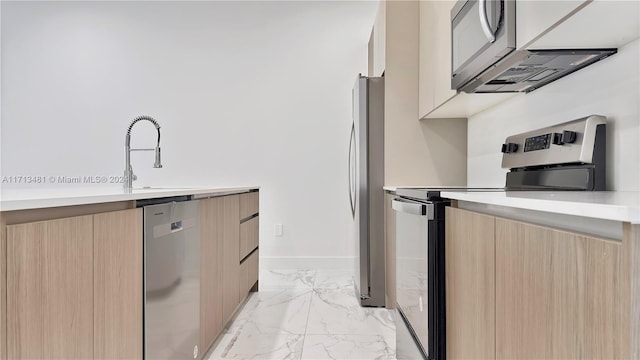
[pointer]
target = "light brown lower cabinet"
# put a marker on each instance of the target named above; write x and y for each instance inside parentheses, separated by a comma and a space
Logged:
(230, 253)
(3, 287)
(74, 287)
(248, 274)
(211, 247)
(249, 204)
(50, 289)
(559, 295)
(470, 285)
(522, 291)
(117, 284)
(248, 236)
(224, 279)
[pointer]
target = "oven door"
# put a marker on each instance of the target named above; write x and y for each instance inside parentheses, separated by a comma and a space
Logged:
(482, 33)
(412, 255)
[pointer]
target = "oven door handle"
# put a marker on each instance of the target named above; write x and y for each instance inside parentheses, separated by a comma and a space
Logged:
(412, 207)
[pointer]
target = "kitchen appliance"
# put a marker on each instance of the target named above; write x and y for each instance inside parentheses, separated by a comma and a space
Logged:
(420, 275)
(420, 267)
(366, 179)
(483, 55)
(171, 278)
(568, 156)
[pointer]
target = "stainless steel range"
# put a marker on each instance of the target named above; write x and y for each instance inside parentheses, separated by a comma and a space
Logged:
(568, 156)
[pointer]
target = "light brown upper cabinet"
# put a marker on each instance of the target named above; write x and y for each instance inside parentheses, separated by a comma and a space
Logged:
(435, 55)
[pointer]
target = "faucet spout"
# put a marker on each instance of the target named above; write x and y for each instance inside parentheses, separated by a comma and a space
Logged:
(128, 170)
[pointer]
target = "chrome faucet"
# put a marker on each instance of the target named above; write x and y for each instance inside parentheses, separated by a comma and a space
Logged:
(129, 176)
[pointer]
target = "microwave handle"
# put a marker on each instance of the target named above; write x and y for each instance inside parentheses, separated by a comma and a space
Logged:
(484, 21)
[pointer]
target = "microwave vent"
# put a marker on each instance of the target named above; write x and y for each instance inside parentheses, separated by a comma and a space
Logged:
(527, 70)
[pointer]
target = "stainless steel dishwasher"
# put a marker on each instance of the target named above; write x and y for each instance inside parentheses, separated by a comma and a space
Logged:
(171, 278)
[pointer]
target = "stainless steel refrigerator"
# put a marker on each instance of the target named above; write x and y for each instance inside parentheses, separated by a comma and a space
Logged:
(366, 179)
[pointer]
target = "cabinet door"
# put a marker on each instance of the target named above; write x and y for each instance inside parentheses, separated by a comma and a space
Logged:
(3, 287)
(435, 55)
(534, 18)
(559, 295)
(470, 286)
(379, 39)
(211, 246)
(427, 71)
(117, 289)
(50, 289)
(441, 52)
(230, 253)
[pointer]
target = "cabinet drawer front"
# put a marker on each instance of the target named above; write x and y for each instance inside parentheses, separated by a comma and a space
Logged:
(249, 203)
(248, 236)
(248, 274)
(253, 268)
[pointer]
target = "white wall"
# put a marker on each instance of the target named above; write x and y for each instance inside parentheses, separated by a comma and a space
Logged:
(247, 93)
(610, 87)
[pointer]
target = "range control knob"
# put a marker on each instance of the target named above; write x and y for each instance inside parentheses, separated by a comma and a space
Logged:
(568, 137)
(557, 139)
(509, 148)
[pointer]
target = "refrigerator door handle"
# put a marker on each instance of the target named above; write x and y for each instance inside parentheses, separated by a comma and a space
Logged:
(352, 192)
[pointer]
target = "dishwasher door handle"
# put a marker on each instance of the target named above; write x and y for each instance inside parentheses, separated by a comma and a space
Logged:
(412, 207)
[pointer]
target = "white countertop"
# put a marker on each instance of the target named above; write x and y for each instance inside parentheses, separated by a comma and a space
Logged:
(609, 205)
(23, 199)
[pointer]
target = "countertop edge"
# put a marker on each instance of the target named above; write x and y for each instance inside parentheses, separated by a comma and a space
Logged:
(615, 212)
(112, 195)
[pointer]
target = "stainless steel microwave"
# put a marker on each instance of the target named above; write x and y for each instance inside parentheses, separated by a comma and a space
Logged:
(482, 33)
(483, 55)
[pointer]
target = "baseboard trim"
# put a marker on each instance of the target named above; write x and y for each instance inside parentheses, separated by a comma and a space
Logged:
(307, 262)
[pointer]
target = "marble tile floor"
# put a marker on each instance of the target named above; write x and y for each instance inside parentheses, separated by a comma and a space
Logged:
(307, 314)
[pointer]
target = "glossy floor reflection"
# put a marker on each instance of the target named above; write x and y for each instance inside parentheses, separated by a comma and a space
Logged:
(307, 314)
